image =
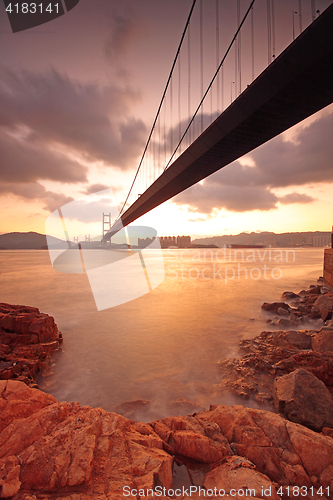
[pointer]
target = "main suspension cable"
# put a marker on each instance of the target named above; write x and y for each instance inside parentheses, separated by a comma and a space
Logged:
(160, 105)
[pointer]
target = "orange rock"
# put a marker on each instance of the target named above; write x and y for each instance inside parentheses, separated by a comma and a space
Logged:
(237, 478)
(20, 401)
(323, 340)
(52, 450)
(303, 398)
(315, 450)
(27, 339)
(9, 477)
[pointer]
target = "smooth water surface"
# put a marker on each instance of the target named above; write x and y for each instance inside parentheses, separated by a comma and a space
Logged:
(166, 344)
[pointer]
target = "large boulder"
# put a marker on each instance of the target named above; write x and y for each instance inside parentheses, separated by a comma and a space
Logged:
(63, 446)
(273, 307)
(28, 324)
(323, 340)
(323, 307)
(238, 477)
(27, 340)
(303, 398)
(187, 436)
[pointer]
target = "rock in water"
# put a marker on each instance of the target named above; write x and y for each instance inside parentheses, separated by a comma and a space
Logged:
(27, 339)
(303, 398)
(132, 409)
(290, 295)
(323, 307)
(274, 306)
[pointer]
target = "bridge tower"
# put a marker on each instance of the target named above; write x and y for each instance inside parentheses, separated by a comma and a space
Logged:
(76, 239)
(106, 227)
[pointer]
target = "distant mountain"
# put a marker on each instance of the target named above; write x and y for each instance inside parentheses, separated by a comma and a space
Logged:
(26, 241)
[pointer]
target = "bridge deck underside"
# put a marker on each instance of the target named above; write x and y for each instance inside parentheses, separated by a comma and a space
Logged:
(296, 85)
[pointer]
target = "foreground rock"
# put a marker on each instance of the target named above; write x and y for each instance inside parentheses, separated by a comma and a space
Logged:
(273, 354)
(27, 339)
(304, 399)
(51, 450)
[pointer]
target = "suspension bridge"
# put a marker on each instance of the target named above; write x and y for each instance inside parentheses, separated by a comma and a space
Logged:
(187, 145)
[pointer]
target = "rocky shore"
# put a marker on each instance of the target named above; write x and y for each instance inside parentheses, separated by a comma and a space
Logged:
(290, 369)
(27, 340)
(59, 450)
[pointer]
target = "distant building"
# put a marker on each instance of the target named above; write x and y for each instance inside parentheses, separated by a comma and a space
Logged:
(173, 241)
(321, 240)
(145, 242)
(270, 241)
(183, 241)
(309, 239)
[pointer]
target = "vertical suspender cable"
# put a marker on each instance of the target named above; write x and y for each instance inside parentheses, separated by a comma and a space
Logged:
(217, 52)
(211, 106)
(313, 9)
(300, 16)
(201, 62)
(222, 88)
(165, 137)
(179, 110)
(239, 42)
(273, 29)
(149, 159)
(154, 157)
(171, 124)
(159, 146)
(236, 61)
(269, 34)
(189, 81)
(252, 40)
(145, 172)
(212, 80)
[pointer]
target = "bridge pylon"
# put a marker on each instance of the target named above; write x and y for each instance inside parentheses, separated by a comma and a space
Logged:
(106, 227)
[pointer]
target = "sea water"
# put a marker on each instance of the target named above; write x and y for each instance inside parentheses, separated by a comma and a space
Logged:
(166, 344)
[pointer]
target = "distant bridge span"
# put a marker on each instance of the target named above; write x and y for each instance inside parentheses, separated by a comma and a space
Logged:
(296, 85)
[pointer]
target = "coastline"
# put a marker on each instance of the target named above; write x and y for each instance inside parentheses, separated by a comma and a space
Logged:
(63, 450)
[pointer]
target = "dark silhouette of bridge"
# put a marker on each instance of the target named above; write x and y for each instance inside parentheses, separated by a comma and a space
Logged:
(297, 84)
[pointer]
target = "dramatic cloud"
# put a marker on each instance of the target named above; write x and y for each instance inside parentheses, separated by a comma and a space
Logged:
(24, 158)
(123, 31)
(295, 198)
(209, 196)
(95, 188)
(58, 113)
(241, 187)
(52, 127)
(35, 192)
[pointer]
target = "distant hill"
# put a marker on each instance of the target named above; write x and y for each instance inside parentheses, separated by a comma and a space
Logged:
(268, 239)
(26, 241)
